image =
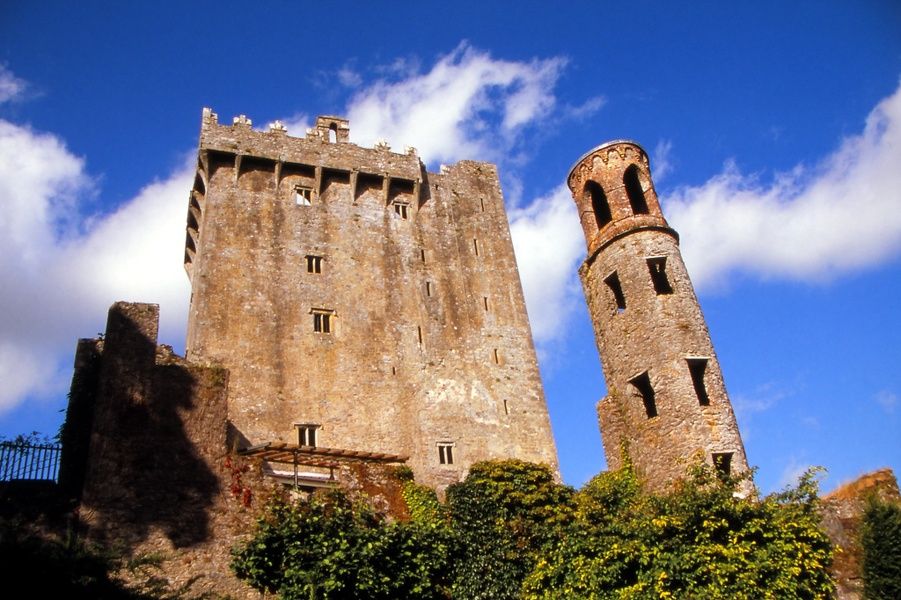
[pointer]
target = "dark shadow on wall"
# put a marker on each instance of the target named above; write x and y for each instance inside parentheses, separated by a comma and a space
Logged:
(157, 435)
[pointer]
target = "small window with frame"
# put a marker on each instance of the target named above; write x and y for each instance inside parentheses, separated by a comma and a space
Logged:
(303, 196)
(401, 209)
(323, 320)
(306, 434)
(446, 453)
(314, 264)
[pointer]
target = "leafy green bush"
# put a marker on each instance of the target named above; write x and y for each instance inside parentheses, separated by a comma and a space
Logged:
(327, 547)
(509, 530)
(880, 541)
(699, 541)
(502, 514)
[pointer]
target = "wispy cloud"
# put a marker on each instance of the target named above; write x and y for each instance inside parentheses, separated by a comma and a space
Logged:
(11, 87)
(468, 105)
(761, 399)
(810, 224)
(887, 400)
(661, 161)
(792, 472)
(348, 77)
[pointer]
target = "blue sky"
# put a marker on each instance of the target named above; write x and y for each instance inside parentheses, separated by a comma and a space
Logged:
(774, 130)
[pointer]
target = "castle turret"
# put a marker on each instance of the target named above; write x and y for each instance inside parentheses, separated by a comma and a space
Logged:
(667, 404)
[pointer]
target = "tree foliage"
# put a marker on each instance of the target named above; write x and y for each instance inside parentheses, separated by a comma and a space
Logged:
(881, 544)
(509, 530)
(502, 515)
(327, 547)
(699, 541)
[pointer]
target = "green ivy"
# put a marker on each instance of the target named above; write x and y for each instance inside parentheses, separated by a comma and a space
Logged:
(881, 544)
(502, 515)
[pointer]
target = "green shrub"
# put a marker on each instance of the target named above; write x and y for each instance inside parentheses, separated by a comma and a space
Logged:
(880, 541)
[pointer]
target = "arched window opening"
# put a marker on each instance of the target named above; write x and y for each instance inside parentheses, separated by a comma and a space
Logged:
(634, 191)
(333, 133)
(598, 203)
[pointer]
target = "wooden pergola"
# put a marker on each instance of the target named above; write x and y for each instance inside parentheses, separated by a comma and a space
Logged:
(315, 456)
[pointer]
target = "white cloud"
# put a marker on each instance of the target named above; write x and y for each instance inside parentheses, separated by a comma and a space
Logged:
(349, 78)
(549, 242)
(662, 163)
(887, 400)
(469, 105)
(792, 472)
(60, 275)
(586, 109)
(11, 87)
(297, 124)
(810, 224)
(763, 398)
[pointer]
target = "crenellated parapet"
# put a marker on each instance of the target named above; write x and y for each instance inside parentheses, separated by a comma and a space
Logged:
(298, 167)
(326, 145)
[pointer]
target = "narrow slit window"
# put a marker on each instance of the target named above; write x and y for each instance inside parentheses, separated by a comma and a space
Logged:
(485, 302)
(482, 204)
(475, 246)
(657, 267)
(422, 255)
(400, 209)
(306, 434)
(497, 357)
(314, 264)
(722, 462)
(642, 384)
(613, 283)
(599, 203)
(428, 288)
(419, 333)
(506, 407)
(303, 196)
(634, 191)
(697, 367)
(446, 453)
(323, 320)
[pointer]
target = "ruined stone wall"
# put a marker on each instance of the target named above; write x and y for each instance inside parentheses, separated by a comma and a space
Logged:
(428, 337)
(842, 512)
(155, 482)
(666, 403)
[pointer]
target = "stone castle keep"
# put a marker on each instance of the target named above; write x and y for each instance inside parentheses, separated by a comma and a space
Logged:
(351, 311)
(360, 302)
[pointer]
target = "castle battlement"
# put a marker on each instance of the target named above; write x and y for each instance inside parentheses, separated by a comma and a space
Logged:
(327, 145)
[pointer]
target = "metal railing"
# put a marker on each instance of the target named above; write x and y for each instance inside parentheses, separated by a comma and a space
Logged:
(24, 461)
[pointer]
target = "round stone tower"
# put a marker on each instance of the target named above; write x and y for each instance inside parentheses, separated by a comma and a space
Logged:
(666, 405)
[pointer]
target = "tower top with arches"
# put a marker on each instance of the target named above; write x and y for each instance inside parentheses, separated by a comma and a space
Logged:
(614, 193)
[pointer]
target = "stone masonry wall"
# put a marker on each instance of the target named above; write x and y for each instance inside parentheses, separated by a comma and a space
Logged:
(429, 341)
(649, 327)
